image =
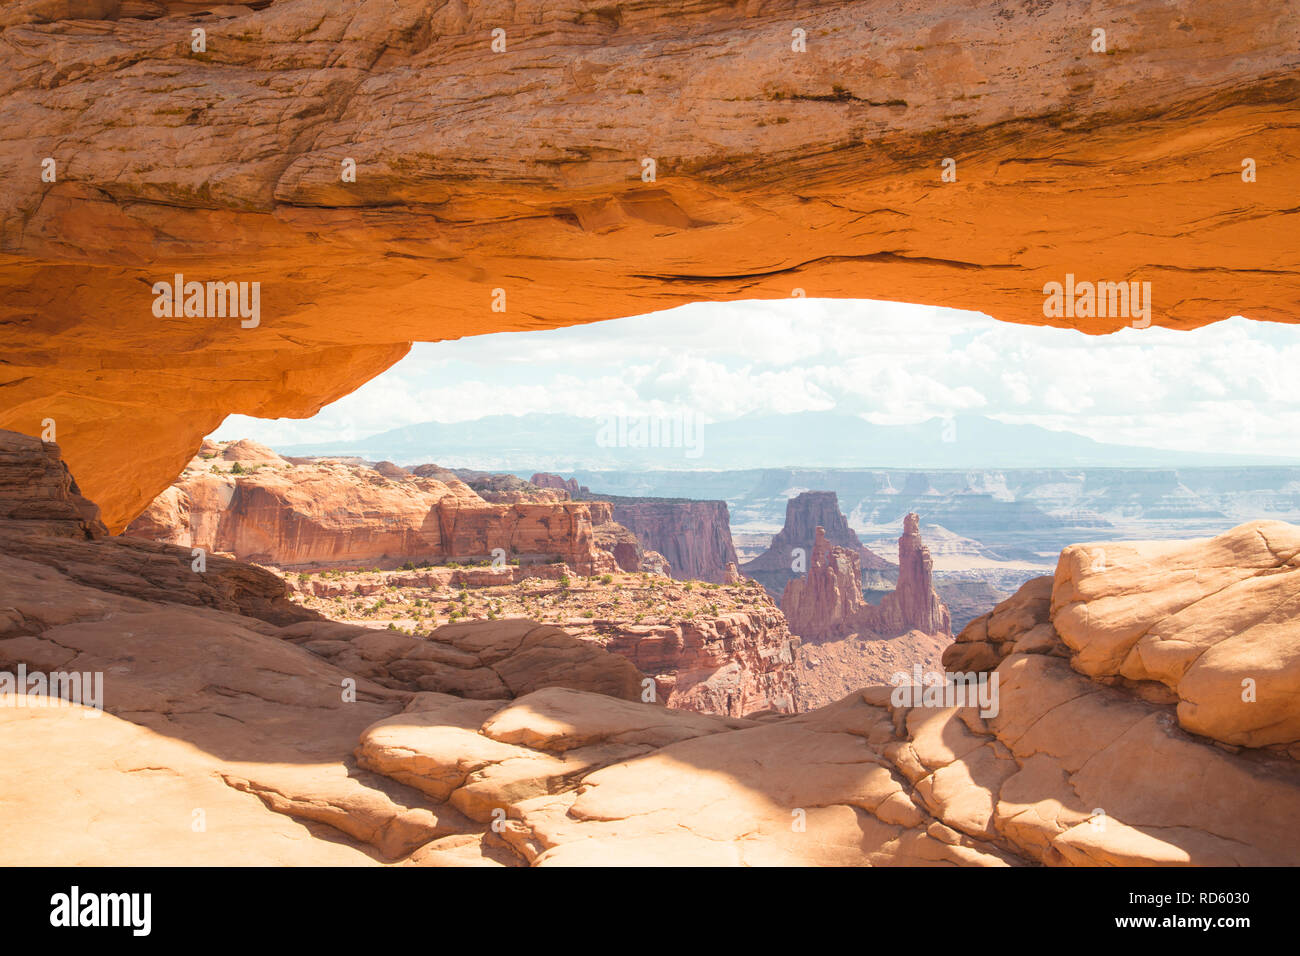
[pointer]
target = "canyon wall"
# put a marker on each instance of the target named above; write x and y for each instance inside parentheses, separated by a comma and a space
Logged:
(327, 513)
(694, 537)
(628, 550)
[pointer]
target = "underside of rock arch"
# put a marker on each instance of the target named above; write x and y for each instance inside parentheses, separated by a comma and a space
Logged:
(524, 171)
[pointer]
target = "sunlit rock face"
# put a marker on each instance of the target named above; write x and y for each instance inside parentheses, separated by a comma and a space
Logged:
(797, 148)
(333, 512)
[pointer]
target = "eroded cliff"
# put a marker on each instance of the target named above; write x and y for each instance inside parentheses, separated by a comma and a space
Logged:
(260, 507)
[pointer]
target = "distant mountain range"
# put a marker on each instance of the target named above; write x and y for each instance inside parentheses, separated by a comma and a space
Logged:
(563, 443)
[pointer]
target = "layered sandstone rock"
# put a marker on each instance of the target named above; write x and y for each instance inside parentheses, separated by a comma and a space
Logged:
(478, 660)
(45, 522)
(522, 170)
(1067, 773)
(628, 551)
(569, 486)
(248, 452)
(827, 602)
(848, 643)
(694, 537)
(804, 514)
(328, 512)
(37, 491)
(1207, 625)
(735, 663)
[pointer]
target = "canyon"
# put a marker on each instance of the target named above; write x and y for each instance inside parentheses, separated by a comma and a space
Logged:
(707, 648)
(321, 521)
(1054, 146)
(1122, 736)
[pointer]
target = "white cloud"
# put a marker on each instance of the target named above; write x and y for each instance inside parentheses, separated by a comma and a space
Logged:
(1226, 387)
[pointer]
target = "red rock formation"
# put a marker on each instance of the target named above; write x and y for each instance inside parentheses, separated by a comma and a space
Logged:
(915, 604)
(694, 536)
(331, 513)
(737, 663)
(804, 514)
(827, 602)
(619, 541)
(246, 452)
(547, 480)
(38, 492)
(848, 643)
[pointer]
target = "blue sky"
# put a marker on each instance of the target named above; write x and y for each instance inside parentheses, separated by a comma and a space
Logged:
(1228, 387)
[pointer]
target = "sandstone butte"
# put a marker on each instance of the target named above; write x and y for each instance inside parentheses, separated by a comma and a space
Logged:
(1122, 735)
(848, 643)
(806, 514)
(827, 602)
(327, 512)
(777, 173)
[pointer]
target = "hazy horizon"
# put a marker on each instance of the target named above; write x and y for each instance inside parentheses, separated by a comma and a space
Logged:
(1221, 389)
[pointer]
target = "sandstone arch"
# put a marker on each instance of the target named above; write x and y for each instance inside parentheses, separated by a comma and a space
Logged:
(521, 170)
